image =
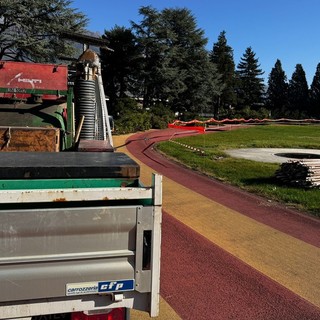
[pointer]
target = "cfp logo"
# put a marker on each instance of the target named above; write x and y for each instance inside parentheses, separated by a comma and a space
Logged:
(112, 286)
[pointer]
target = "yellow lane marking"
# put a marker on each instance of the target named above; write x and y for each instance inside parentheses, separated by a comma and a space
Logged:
(166, 313)
(285, 259)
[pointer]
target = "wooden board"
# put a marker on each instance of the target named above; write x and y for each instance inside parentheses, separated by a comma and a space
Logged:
(29, 139)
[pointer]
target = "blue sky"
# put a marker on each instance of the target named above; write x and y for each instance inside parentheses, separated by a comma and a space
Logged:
(288, 30)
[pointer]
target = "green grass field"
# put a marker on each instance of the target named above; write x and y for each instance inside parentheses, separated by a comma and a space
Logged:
(256, 177)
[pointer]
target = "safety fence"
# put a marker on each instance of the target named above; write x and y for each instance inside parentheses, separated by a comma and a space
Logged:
(201, 125)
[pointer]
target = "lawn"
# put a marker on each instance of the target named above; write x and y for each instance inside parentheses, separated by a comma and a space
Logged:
(256, 177)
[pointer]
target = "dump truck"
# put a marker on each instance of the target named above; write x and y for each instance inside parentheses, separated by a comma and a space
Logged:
(80, 234)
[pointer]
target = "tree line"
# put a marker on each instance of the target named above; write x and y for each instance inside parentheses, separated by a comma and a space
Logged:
(161, 66)
(163, 60)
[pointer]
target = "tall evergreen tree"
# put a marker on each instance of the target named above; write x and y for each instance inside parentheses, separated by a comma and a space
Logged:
(250, 83)
(176, 64)
(29, 30)
(298, 94)
(120, 66)
(315, 94)
(222, 56)
(189, 58)
(153, 49)
(277, 93)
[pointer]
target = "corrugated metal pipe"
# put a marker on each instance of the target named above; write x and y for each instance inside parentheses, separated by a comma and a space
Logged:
(85, 105)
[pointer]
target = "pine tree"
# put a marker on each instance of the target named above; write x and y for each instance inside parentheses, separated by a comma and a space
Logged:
(190, 59)
(315, 94)
(152, 48)
(120, 66)
(29, 30)
(298, 94)
(222, 56)
(176, 68)
(277, 93)
(250, 84)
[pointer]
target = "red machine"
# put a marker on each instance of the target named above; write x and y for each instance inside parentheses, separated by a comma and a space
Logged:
(18, 78)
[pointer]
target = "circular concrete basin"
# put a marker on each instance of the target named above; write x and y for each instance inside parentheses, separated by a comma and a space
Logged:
(274, 155)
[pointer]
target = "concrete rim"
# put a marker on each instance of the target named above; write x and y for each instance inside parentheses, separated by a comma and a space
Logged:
(269, 155)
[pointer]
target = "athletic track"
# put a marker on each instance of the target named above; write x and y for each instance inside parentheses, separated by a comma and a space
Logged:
(227, 254)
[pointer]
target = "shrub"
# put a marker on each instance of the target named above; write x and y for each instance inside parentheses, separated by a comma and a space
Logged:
(160, 116)
(132, 122)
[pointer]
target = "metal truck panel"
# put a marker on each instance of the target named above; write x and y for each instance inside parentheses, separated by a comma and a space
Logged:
(30, 234)
(24, 75)
(42, 251)
(67, 195)
(85, 258)
(28, 281)
(33, 115)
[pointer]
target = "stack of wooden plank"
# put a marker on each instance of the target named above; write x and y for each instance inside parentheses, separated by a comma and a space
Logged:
(304, 173)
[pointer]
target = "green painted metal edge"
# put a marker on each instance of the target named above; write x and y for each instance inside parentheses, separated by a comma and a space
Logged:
(35, 91)
(40, 184)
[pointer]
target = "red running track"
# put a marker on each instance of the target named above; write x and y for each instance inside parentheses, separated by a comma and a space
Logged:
(202, 281)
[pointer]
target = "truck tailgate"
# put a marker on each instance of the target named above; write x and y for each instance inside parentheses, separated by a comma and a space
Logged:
(97, 247)
(42, 251)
